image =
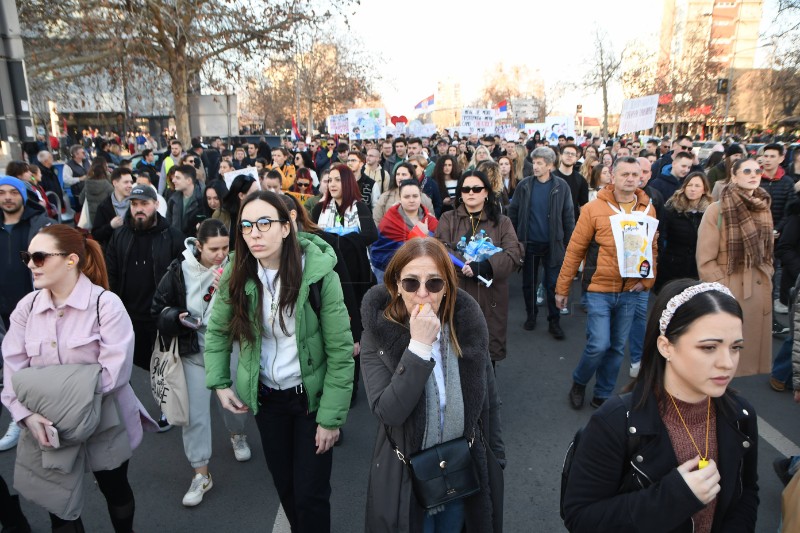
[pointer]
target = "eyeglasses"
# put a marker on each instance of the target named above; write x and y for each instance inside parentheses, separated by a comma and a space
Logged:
(569, 154)
(476, 189)
(38, 257)
(262, 224)
(209, 294)
(687, 148)
(749, 171)
(433, 285)
(415, 166)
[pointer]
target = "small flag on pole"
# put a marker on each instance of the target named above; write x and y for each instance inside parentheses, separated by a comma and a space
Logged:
(502, 107)
(295, 132)
(425, 104)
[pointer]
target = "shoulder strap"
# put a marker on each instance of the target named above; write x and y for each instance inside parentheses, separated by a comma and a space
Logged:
(98, 307)
(34, 299)
(632, 439)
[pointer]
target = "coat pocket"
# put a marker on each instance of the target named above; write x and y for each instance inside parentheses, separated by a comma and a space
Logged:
(83, 346)
(33, 348)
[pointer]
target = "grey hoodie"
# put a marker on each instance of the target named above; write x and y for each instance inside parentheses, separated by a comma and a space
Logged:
(197, 280)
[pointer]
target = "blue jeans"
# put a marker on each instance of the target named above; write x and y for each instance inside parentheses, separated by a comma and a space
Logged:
(450, 520)
(782, 363)
(607, 327)
(637, 327)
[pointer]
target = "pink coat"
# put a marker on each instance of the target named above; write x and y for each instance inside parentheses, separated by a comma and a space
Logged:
(41, 334)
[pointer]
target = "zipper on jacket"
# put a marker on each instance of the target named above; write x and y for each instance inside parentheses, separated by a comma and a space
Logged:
(643, 475)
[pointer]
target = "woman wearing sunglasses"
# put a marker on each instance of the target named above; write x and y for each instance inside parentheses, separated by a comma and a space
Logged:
(181, 307)
(476, 211)
(295, 370)
(734, 247)
(428, 381)
(73, 319)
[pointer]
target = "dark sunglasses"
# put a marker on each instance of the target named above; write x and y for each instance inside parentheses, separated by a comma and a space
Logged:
(209, 294)
(476, 189)
(303, 184)
(687, 148)
(38, 257)
(263, 224)
(432, 285)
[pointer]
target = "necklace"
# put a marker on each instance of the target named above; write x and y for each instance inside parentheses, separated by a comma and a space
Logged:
(703, 462)
(273, 308)
(476, 222)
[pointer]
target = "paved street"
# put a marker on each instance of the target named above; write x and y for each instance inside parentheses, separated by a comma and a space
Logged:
(538, 425)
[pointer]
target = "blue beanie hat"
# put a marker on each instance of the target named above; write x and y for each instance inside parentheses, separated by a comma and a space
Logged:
(17, 184)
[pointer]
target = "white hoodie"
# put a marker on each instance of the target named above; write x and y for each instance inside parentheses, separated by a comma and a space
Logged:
(197, 279)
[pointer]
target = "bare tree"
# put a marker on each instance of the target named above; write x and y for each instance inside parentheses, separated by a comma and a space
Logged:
(603, 70)
(503, 82)
(76, 38)
(323, 75)
(638, 71)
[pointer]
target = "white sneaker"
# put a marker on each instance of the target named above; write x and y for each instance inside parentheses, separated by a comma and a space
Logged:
(240, 448)
(779, 308)
(200, 485)
(11, 437)
(634, 372)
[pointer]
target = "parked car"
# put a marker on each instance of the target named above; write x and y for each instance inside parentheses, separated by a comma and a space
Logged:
(705, 149)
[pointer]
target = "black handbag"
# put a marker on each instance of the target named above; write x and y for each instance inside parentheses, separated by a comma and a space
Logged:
(442, 473)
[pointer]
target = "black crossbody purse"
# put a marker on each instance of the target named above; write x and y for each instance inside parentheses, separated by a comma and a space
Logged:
(442, 473)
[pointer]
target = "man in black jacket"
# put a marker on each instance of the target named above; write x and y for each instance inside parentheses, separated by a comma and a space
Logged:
(185, 205)
(147, 167)
(137, 257)
(49, 179)
(111, 212)
(566, 170)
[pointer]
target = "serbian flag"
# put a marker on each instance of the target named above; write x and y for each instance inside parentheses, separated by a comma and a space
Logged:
(295, 133)
(502, 106)
(424, 104)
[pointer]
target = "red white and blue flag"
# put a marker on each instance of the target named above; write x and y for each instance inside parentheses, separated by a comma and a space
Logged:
(502, 106)
(295, 132)
(425, 103)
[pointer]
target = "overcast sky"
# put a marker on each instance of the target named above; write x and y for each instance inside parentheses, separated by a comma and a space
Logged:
(423, 41)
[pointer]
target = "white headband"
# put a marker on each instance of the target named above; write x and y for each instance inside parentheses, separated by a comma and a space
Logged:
(678, 300)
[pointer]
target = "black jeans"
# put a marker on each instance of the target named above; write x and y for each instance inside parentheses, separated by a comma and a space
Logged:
(119, 498)
(539, 254)
(302, 478)
(145, 332)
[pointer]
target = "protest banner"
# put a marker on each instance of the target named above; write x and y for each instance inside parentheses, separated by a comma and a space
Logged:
(638, 114)
(337, 124)
(478, 121)
(249, 171)
(558, 125)
(533, 127)
(366, 124)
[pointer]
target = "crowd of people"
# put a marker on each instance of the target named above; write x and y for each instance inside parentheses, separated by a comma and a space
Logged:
(331, 267)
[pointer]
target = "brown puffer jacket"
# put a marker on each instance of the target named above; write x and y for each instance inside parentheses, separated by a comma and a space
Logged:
(593, 224)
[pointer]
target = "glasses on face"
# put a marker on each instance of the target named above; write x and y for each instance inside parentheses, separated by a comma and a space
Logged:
(207, 297)
(303, 184)
(476, 189)
(687, 148)
(353, 160)
(38, 257)
(433, 285)
(415, 167)
(569, 154)
(262, 224)
(749, 171)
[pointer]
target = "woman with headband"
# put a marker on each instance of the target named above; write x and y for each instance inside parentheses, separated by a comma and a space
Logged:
(678, 452)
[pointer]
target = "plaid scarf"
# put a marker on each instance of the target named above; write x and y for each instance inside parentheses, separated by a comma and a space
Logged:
(748, 226)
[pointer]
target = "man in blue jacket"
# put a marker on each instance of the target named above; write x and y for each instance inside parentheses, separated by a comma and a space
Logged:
(672, 175)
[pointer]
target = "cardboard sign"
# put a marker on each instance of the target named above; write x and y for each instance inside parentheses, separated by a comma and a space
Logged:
(366, 123)
(638, 114)
(478, 121)
(337, 124)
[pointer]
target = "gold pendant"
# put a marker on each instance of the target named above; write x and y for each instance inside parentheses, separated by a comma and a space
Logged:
(702, 463)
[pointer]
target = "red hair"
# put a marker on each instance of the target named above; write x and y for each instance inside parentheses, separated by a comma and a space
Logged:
(90, 256)
(350, 191)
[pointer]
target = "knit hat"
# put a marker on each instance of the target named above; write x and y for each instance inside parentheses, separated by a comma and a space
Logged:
(17, 184)
(734, 149)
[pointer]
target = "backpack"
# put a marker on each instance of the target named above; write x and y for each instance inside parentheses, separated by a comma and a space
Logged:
(632, 440)
(98, 303)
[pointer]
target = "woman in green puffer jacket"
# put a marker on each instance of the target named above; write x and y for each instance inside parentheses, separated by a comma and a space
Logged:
(282, 301)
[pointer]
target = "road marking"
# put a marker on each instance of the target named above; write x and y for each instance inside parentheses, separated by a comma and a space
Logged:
(776, 439)
(281, 522)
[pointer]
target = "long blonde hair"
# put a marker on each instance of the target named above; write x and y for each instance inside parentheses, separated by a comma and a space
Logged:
(586, 168)
(680, 203)
(492, 171)
(474, 162)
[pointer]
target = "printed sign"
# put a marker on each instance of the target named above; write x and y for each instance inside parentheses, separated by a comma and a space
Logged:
(366, 124)
(249, 171)
(337, 124)
(638, 114)
(555, 126)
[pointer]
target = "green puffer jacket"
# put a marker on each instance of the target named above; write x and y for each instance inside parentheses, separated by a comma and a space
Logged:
(325, 346)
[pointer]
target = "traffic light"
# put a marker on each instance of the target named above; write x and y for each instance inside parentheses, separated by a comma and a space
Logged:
(722, 86)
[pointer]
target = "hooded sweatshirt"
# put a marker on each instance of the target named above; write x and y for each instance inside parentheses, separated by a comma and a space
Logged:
(197, 281)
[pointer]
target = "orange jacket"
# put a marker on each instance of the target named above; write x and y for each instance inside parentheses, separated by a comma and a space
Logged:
(593, 224)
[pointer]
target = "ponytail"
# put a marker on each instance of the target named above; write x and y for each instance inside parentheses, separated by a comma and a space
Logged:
(94, 265)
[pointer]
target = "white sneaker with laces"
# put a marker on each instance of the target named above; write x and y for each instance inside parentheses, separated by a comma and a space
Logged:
(634, 372)
(200, 485)
(240, 448)
(779, 308)
(11, 437)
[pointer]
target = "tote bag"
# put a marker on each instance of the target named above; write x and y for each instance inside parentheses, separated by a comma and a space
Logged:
(168, 382)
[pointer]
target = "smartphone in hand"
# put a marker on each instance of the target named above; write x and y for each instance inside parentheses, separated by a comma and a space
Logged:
(52, 436)
(190, 322)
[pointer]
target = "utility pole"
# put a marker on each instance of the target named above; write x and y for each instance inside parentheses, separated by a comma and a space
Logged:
(16, 125)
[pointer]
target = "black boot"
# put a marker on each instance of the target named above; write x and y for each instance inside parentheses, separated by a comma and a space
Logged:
(555, 330)
(530, 323)
(12, 518)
